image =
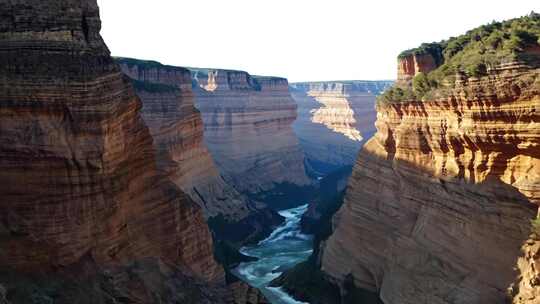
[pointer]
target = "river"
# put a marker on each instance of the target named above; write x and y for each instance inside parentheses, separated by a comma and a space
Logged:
(283, 249)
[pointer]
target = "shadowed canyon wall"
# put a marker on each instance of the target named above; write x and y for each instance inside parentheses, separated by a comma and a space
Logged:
(334, 120)
(440, 200)
(85, 214)
(247, 127)
(177, 129)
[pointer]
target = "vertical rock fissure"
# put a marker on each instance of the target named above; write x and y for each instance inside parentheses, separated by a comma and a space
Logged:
(85, 28)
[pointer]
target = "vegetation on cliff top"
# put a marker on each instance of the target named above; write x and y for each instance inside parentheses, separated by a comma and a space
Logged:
(471, 55)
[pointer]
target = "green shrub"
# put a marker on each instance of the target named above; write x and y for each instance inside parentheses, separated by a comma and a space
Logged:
(434, 49)
(476, 69)
(397, 94)
(421, 85)
(454, 46)
(495, 40)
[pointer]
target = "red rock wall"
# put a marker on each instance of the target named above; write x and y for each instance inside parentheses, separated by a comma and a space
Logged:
(177, 129)
(440, 200)
(77, 167)
(411, 65)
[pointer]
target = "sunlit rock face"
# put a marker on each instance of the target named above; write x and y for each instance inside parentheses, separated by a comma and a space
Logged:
(334, 120)
(439, 204)
(247, 128)
(413, 64)
(526, 288)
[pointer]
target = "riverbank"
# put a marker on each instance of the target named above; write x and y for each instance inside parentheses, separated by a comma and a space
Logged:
(282, 250)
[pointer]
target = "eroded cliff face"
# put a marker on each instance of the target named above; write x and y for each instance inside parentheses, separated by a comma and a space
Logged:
(177, 129)
(334, 120)
(526, 289)
(247, 127)
(80, 194)
(440, 199)
(411, 65)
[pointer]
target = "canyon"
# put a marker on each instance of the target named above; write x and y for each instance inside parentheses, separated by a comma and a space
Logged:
(131, 185)
(334, 120)
(131, 181)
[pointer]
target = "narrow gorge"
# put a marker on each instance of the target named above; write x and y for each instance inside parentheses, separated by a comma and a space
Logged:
(126, 180)
(177, 128)
(247, 122)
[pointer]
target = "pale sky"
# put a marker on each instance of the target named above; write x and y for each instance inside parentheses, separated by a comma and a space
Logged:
(302, 40)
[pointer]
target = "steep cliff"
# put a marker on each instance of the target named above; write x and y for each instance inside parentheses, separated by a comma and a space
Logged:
(247, 127)
(440, 200)
(85, 215)
(177, 128)
(334, 120)
(409, 65)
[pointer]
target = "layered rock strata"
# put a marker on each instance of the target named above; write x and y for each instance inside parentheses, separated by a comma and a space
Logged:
(334, 120)
(440, 199)
(80, 191)
(247, 127)
(412, 64)
(177, 129)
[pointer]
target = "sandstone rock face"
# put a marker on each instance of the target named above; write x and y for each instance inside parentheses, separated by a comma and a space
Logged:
(177, 129)
(247, 128)
(526, 290)
(334, 120)
(440, 199)
(77, 165)
(413, 64)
